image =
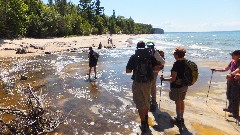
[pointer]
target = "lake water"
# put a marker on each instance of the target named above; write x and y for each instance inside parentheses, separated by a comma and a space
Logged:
(104, 105)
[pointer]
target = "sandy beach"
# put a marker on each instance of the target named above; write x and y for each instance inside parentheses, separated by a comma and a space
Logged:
(203, 115)
(40, 46)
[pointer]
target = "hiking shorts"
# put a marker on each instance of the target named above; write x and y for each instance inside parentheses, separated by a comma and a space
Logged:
(92, 63)
(141, 94)
(153, 86)
(178, 93)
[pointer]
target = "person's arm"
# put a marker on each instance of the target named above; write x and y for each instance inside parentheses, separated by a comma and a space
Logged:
(128, 71)
(221, 70)
(156, 65)
(130, 65)
(170, 79)
(237, 76)
(234, 73)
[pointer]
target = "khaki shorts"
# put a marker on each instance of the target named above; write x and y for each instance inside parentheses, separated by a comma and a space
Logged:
(141, 94)
(178, 93)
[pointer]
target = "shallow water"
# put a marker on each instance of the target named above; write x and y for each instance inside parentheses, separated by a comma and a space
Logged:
(101, 106)
(104, 105)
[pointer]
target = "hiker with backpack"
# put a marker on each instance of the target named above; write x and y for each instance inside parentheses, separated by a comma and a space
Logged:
(233, 86)
(93, 58)
(177, 88)
(160, 60)
(142, 64)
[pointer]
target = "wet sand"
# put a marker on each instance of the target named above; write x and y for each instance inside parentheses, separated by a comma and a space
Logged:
(203, 112)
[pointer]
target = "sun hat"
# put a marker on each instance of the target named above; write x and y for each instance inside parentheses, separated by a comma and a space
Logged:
(236, 52)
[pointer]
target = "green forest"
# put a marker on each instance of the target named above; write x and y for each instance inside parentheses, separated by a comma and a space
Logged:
(60, 18)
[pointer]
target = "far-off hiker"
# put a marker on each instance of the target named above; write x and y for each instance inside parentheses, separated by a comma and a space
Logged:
(93, 58)
(142, 64)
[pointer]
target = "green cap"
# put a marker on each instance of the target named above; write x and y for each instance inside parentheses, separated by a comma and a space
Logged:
(149, 43)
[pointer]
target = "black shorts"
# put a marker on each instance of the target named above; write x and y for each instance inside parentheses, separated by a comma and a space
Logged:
(92, 63)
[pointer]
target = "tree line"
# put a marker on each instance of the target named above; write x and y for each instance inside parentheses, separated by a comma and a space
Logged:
(58, 18)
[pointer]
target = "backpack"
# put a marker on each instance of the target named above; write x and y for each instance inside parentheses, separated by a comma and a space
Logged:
(143, 71)
(96, 55)
(190, 73)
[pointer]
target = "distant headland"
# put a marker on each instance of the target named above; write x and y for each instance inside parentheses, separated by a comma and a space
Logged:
(158, 31)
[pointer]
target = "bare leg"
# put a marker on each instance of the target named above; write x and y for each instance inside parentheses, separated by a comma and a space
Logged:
(153, 87)
(142, 113)
(89, 73)
(95, 72)
(180, 108)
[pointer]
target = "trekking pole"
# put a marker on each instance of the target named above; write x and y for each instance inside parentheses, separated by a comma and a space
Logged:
(160, 93)
(209, 85)
(160, 90)
(226, 102)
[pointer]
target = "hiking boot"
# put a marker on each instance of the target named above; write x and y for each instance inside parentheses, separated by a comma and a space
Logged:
(177, 122)
(226, 110)
(233, 115)
(144, 126)
(153, 106)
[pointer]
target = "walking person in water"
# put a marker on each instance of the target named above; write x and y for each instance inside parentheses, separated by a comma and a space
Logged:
(142, 64)
(93, 58)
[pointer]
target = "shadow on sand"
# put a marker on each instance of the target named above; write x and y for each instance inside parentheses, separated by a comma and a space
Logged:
(163, 122)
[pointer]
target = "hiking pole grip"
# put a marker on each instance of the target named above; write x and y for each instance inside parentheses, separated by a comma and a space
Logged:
(161, 79)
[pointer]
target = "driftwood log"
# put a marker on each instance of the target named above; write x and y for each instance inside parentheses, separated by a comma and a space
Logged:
(36, 119)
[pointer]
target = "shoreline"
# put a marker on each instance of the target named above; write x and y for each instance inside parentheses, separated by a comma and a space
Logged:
(40, 46)
(8, 47)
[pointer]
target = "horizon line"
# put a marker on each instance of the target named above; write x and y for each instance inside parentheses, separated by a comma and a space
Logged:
(200, 31)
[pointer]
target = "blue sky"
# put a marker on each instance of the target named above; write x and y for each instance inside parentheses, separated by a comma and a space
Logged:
(178, 15)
